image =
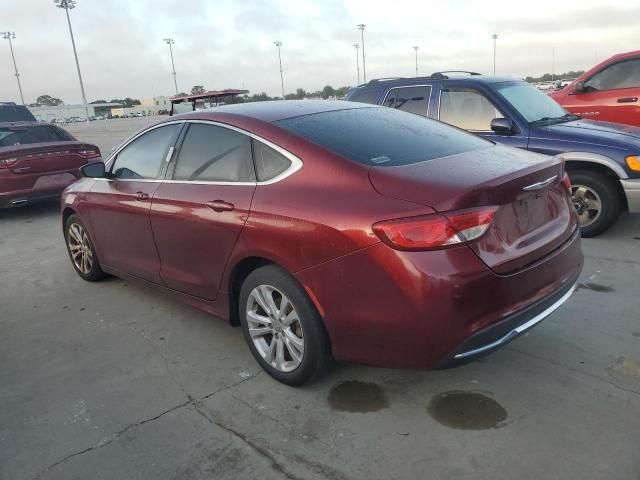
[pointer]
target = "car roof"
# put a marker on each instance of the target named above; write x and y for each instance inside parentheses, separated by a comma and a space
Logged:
(272, 111)
(395, 82)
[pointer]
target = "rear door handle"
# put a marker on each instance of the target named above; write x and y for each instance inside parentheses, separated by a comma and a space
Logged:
(627, 99)
(220, 206)
(142, 196)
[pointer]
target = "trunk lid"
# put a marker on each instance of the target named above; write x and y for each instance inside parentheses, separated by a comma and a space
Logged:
(48, 157)
(535, 215)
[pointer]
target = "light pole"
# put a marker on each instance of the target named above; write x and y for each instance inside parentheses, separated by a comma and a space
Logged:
(69, 5)
(361, 27)
(416, 49)
(495, 37)
(278, 44)
(10, 36)
(356, 46)
(170, 42)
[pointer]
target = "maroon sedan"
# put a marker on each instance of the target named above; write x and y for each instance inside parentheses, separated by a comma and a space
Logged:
(38, 160)
(333, 229)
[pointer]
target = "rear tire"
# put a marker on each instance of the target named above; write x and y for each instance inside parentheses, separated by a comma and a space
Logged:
(278, 318)
(596, 199)
(81, 250)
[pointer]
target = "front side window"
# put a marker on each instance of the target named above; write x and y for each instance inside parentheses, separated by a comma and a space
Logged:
(144, 157)
(413, 100)
(269, 163)
(467, 109)
(624, 74)
(214, 154)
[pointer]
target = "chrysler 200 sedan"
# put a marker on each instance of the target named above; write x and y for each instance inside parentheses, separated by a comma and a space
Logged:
(333, 229)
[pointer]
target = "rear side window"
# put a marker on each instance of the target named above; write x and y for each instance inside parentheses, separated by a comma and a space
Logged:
(382, 136)
(35, 134)
(214, 154)
(413, 100)
(467, 109)
(624, 74)
(365, 96)
(15, 113)
(269, 163)
(144, 156)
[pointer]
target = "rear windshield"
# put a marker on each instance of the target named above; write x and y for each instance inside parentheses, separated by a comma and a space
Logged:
(15, 113)
(382, 136)
(36, 134)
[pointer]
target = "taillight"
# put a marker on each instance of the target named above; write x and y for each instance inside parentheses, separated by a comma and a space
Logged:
(566, 182)
(435, 231)
(89, 153)
(7, 162)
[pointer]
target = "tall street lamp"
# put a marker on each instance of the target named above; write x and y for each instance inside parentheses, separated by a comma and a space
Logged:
(170, 42)
(416, 49)
(10, 36)
(278, 44)
(356, 46)
(69, 5)
(361, 27)
(495, 37)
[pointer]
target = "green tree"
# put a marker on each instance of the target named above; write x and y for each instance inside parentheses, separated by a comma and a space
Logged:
(97, 101)
(197, 89)
(300, 93)
(48, 100)
(328, 91)
(128, 102)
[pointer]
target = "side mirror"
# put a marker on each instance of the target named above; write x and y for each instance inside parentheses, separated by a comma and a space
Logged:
(578, 87)
(502, 126)
(93, 170)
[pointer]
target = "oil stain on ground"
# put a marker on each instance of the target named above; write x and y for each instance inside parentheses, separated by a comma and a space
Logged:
(357, 396)
(595, 287)
(466, 410)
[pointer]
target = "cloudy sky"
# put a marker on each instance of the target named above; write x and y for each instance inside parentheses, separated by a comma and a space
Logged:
(229, 43)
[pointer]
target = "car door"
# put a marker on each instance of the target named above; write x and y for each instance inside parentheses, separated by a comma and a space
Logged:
(119, 205)
(198, 213)
(612, 94)
(471, 110)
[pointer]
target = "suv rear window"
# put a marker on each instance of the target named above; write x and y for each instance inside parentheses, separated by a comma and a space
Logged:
(33, 134)
(15, 113)
(382, 136)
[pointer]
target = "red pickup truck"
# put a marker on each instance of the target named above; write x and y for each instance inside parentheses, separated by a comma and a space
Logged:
(609, 92)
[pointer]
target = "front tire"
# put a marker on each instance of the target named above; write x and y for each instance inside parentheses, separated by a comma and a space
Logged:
(596, 200)
(282, 327)
(81, 250)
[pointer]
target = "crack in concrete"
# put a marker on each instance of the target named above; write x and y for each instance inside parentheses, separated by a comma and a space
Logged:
(263, 452)
(575, 370)
(114, 436)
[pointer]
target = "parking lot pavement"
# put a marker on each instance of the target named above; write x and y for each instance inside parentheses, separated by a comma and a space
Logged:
(115, 381)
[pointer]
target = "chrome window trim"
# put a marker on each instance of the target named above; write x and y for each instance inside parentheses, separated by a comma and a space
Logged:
(296, 162)
(411, 86)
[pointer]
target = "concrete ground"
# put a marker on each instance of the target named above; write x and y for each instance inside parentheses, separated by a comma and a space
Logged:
(114, 381)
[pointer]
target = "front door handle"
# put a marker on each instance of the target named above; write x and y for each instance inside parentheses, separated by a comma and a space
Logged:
(627, 99)
(142, 196)
(220, 206)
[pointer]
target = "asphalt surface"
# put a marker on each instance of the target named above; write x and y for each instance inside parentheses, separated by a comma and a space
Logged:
(115, 381)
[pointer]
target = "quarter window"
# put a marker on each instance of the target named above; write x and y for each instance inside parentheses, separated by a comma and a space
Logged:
(413, 100)
(619, 75)
(269, 163)
(144, 157)
(366, 96)
(467, 109)
(211, 153)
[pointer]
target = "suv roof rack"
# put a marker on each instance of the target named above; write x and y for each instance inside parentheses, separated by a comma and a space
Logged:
(442, 74)
(435, 75)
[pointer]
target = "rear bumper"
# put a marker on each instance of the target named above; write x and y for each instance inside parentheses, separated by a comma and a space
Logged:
(501, 333)
(20, 189)
(631, 189)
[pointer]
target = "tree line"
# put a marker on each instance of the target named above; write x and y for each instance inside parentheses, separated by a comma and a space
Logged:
(547, 77)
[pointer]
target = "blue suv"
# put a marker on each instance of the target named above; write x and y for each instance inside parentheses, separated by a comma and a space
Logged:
(602, 159)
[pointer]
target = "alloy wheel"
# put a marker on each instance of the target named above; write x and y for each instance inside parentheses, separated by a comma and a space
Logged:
(587, 204)
(275, 328)
(80, 248)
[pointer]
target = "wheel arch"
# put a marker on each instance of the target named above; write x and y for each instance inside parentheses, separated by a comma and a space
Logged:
(66, 213)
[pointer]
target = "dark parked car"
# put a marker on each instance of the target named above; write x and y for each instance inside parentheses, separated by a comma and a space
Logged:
(38, 160)
(333, 228)
(10, 112)
(603, 159)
